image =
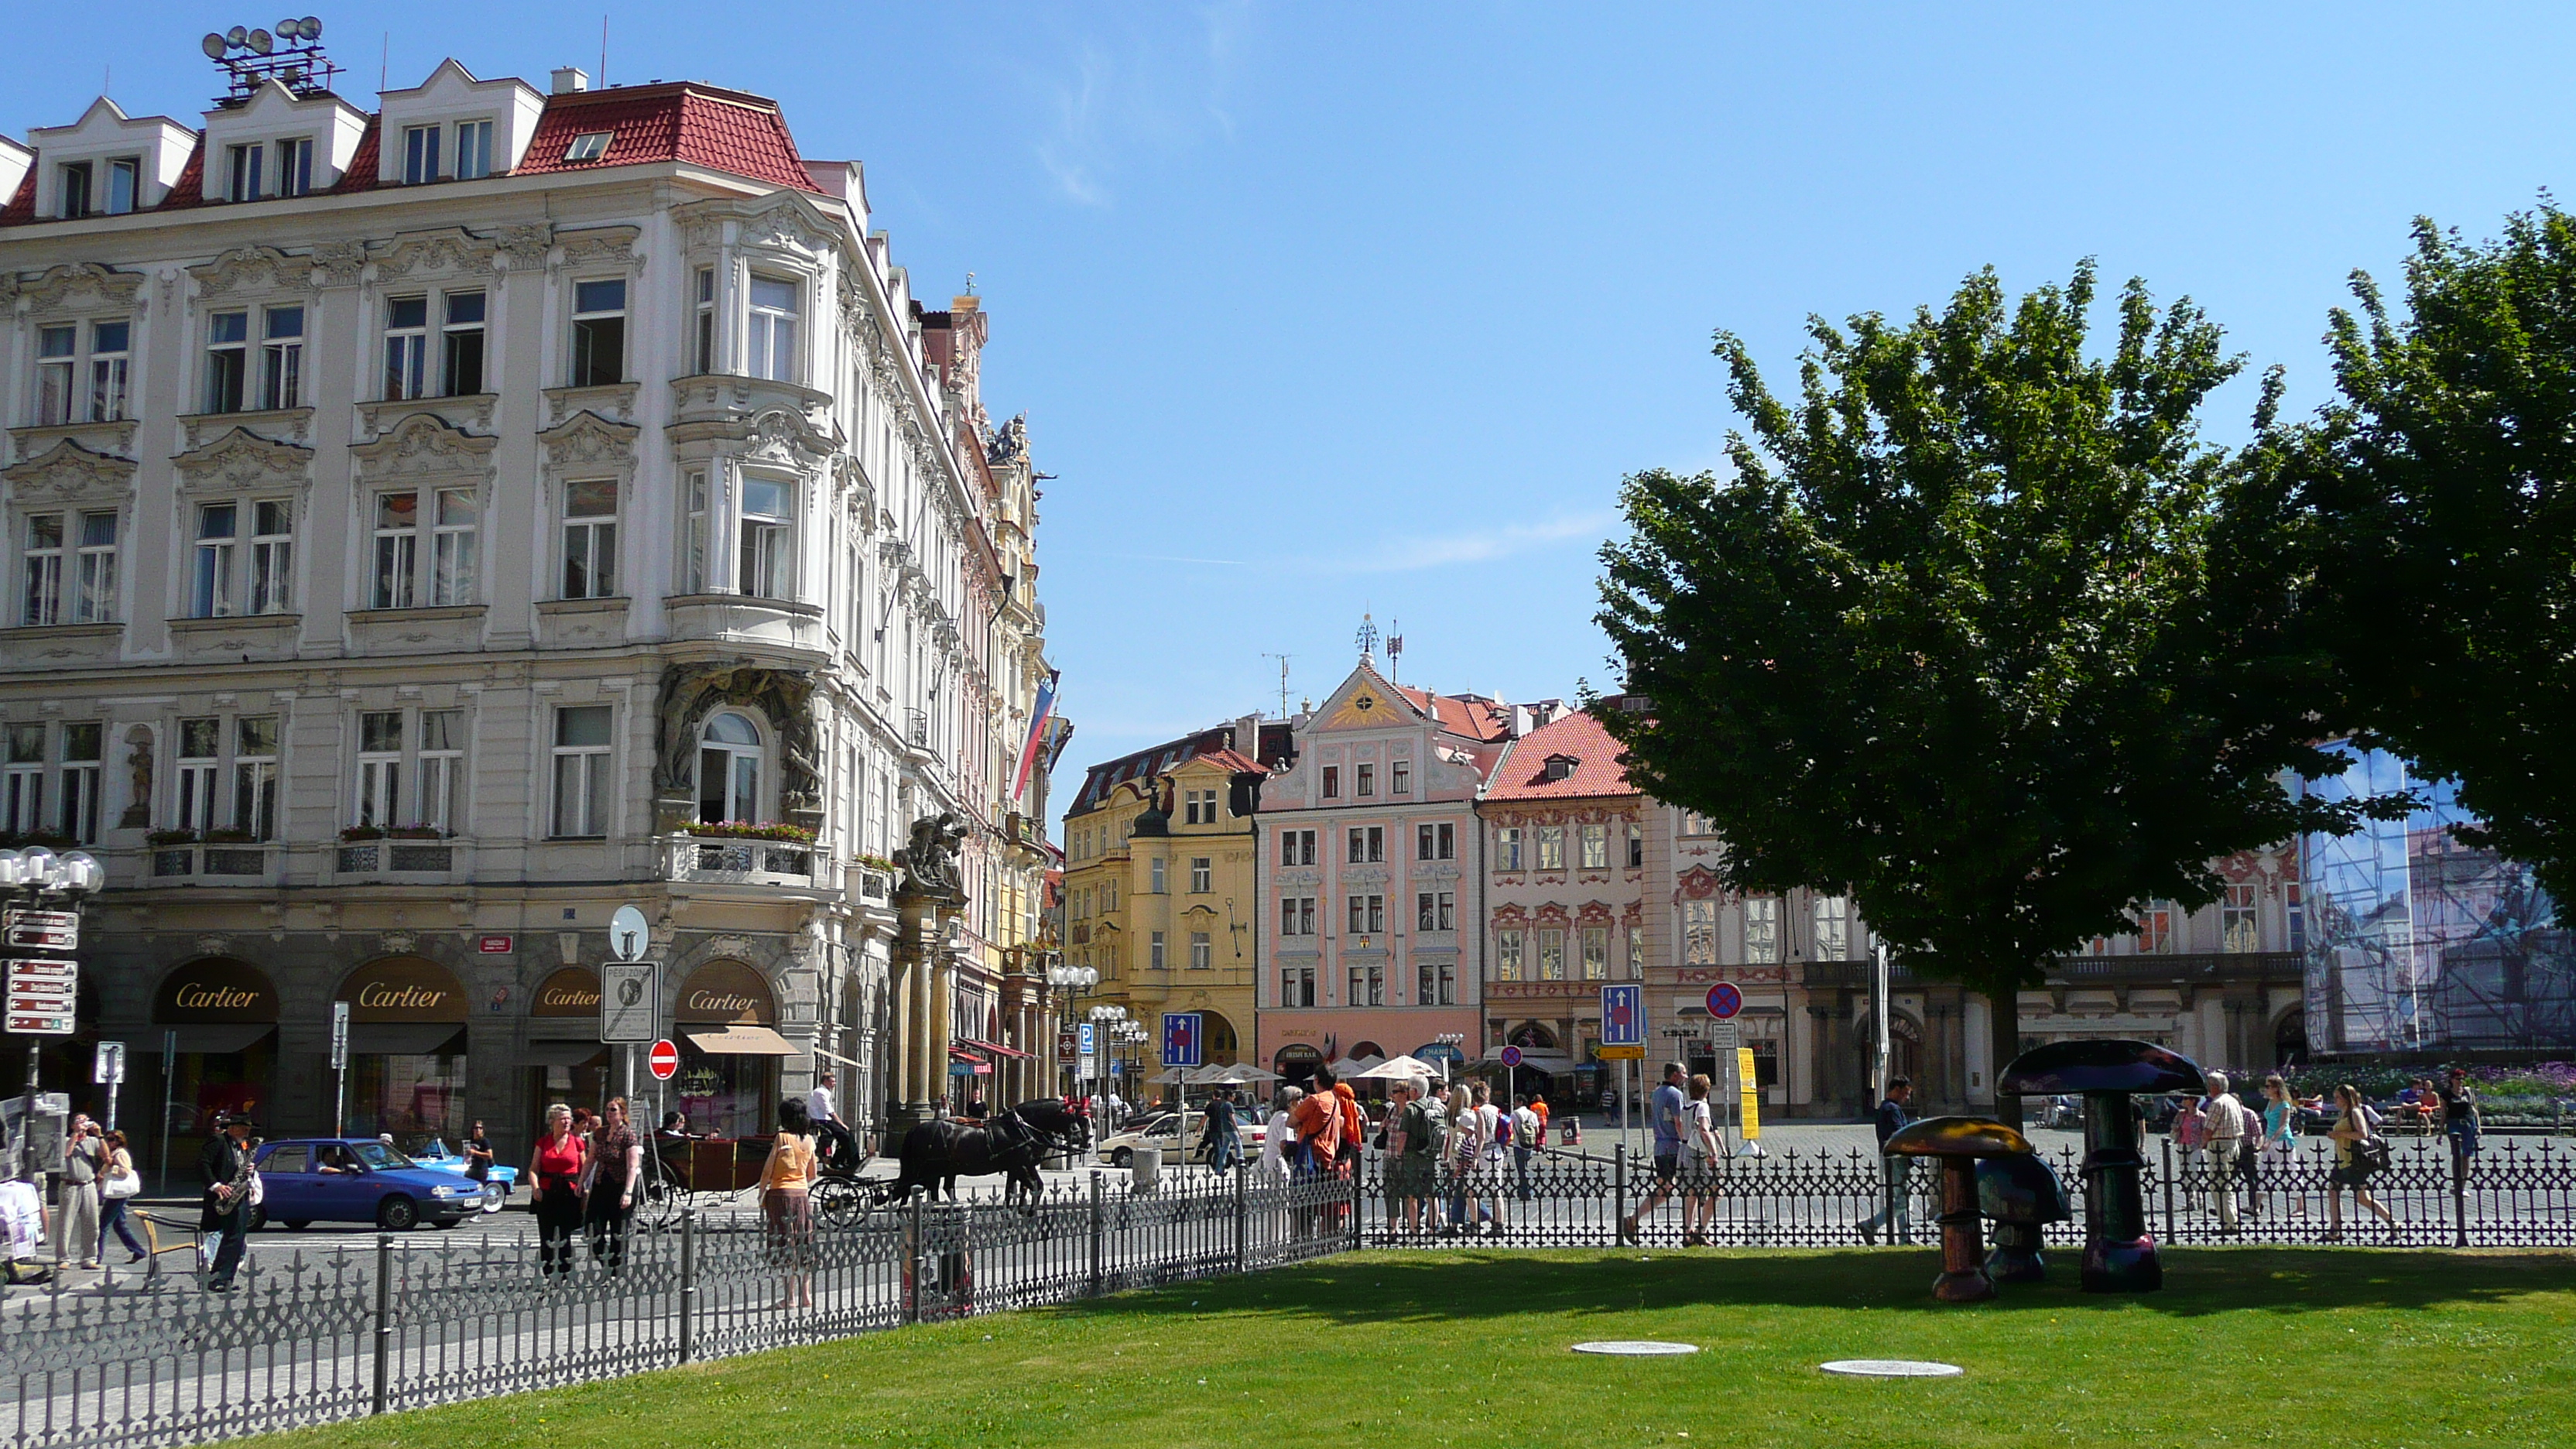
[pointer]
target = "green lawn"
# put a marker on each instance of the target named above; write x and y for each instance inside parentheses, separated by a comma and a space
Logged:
(2264, 1346)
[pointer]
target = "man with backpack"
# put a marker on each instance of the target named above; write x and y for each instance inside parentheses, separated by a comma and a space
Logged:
(1413, 1137)
(1529, 1130)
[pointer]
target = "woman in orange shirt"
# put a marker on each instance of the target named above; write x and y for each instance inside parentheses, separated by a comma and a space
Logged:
(786, 1204)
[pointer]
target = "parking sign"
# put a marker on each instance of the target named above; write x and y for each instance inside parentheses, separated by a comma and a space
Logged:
(1181, 1038)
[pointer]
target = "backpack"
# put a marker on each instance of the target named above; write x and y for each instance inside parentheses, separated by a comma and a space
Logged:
(1425, 1131)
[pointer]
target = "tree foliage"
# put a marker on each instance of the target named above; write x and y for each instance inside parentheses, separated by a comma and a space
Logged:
(2441, 491)
(1970, 635)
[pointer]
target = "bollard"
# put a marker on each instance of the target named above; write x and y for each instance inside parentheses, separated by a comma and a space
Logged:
(688, 1282)
(384, 1315)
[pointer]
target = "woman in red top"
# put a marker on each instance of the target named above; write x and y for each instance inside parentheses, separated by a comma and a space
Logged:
(555, 1170)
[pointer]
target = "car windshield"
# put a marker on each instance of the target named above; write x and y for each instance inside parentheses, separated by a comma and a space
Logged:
(377, 1155)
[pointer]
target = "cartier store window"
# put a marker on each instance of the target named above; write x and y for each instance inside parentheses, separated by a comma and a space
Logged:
(406, 1070)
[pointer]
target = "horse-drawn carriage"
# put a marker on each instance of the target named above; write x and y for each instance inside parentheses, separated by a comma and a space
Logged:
(703, 1172)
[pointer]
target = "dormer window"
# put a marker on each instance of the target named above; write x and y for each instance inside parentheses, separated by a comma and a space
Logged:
(242, 168)
(295, 167)
(473, 149)
(588, 146)
(420, 154)
(1560, 767)
(76, 190)
(124, 185)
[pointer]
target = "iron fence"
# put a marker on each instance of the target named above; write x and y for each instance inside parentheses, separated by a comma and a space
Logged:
(415, 1321)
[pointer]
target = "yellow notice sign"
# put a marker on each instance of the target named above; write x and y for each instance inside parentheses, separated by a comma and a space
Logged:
(1749, 1094)
(1620, 1053)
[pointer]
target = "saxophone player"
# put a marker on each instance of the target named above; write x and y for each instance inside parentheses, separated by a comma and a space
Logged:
(224, 1163)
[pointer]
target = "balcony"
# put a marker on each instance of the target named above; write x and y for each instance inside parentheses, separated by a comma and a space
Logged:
(723, 860)
(221, 863)
(746, 619)
(400, 861)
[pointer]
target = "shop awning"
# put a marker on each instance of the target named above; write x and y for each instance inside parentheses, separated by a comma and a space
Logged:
(743, 1041)
(837, 1057)
(226, 1037)
(995, 1048)
(406, 1039)
(560, 1053)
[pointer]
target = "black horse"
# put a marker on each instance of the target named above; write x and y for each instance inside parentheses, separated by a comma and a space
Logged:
(936, 1154)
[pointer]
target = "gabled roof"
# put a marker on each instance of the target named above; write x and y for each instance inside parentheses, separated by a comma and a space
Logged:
(676, 121)
(1522, 774)
(1231, 761)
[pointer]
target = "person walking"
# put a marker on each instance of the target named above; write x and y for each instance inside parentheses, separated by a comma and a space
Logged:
(1529, 1130)
(2281, 1142)
(2354, 1139)
(1317, 1120)
(223, 1164)
(555, 1168)
(616, 1170)
(1219, 1139)
(1276, 1136)
(1664, 1112)
(2223, 1131)
(2460, 1121)
(478, 1154)
(787, 1203)
(76, 1223)
(1895, 1209)
(1700, 1154)
(118, 1182)
(2190, 1139)
(1466, 1150)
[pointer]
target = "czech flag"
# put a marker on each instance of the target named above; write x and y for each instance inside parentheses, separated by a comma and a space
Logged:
(1037, 733)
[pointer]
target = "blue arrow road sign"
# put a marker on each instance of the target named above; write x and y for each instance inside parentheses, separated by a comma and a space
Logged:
(1181, 1038)
(1623, 1016)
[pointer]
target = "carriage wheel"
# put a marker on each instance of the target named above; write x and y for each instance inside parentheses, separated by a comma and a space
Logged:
(663, 1195)
(839, 1202)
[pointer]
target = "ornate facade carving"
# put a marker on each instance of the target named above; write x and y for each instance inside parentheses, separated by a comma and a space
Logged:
(592, 245)
(525, 246)
(70, 473)
(81, 285)
(452, 249)
(240, 460)
(690, 692)
(254, 268)
(590, 441)
(341, 262)
(425, 445)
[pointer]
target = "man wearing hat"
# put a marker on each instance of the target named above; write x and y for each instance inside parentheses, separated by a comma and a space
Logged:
(224, 1163)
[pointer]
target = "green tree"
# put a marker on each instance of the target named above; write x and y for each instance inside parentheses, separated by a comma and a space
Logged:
(2442, 493)
(1969, 635)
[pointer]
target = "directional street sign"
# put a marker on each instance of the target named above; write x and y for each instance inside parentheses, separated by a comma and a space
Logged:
(1181, 1038)
(1623, 1016)
(1066, 1044)
(1725, 999)
(42, 996)
(664, 1061)
(629, 1004)
(41, 931)
(339, 1036)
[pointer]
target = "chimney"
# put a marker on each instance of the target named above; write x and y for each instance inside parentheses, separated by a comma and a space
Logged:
(571, 78)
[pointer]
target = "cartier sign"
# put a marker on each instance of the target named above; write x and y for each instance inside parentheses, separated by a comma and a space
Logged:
(216, 990)
(726, 993)
(572, 991)
(405, 988)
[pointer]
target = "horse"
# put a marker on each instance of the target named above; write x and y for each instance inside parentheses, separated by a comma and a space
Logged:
(936, 1154)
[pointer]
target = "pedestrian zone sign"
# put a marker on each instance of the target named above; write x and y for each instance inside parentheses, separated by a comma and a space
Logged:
(1182, 1038)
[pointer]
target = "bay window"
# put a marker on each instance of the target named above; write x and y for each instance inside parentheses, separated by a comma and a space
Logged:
(768, 539)
(773, 329)
(693, 533)
(729, 769)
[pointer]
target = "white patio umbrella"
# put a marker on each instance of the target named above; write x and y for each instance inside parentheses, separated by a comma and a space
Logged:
(1402, 1068)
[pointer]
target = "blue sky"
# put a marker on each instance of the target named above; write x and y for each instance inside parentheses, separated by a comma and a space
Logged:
(1322, 308)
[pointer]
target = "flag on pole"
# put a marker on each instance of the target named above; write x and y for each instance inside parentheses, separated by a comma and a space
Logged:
(1037, 733)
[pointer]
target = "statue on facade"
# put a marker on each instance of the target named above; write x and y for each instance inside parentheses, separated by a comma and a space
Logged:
(138, 761)
(929, 860)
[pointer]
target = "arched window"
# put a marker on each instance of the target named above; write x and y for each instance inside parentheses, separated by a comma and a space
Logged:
(729, 757)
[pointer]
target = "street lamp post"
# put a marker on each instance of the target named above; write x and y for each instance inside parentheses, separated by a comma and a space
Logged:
(37, 874)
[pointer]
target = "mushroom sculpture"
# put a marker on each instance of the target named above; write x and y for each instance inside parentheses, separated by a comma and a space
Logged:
(1959, 1142)
(2022, 1196)
(2119, 1253)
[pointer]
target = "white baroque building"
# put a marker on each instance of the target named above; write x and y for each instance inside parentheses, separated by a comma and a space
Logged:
(433, 528)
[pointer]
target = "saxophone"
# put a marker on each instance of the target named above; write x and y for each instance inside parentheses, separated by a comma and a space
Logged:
(231, 1195)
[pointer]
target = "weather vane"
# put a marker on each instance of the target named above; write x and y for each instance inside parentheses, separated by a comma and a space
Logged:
(1368, 637)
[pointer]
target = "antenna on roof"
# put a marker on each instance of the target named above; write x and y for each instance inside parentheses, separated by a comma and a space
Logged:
(1283, 683)
(603, 50)
(253, 58)
(1394, 646)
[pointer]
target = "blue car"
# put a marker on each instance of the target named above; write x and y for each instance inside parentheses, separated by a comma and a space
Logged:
(357, 1180)
(499, 1180)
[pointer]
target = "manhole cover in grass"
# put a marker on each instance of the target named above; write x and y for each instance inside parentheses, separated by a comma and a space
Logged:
(1891, 1368)
(1636, 1348)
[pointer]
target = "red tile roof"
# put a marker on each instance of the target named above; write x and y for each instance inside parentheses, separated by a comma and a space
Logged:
(1477, 719)
(21, 207)
(678, 121)
(1522, 775)
(190, 189)
(363, 164)
(1232, 761)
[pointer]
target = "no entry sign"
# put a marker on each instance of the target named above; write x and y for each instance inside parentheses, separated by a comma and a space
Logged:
(664, 1060)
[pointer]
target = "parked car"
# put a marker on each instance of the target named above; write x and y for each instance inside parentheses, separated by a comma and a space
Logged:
(357, 1180)
(499, 1181)
(1161, 1130)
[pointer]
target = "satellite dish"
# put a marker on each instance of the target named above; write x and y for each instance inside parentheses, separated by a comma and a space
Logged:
(260, 42)
(236, 36)
(310, 27)
(214, 46)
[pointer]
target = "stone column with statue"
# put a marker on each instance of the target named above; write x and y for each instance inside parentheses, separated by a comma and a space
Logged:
(928, 895)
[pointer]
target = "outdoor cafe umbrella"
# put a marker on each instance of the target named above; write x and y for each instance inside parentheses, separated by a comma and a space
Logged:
(1404, 1068)
(1243, 1074)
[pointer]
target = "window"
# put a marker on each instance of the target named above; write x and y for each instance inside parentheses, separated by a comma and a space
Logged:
(729, 761)
(200, 741)
(1201, 876)
(94, 591)
(1761, 929)
(1507, 955)
(452, 548)
(1367, 780)
(108, 347)
(1507, 848)
(22, 790)
(380, 768)
(1596, 953)
(255, 776)
(227, 360)
(397, 536)
(1636, 846)
(1296, 847)
(1154, 951)
(1296, 915)
(773, 329)
(581, 771)
(56, 355)
(1551, 955)
(420, 154)
(1435, 911)
(1367, 844)
(1399, 777)
(1694, 823)
(693, 566)
(43, 561)
(1332, 782)
(2238, 929)
(295, 166)
(406, 347)
(473, 150)
(1594, 841)
(590, 539)
(2295, 915)
(767, 534)
(1154, 875)
(79, 793)
(588, 146)
(241, 171)
(599, 333)
(124, 185)
(1636, 951)
(281, 358)
(1368, 984)
(1202, 953)
(1699, 933)
(1367, 915)
(1438, 981)
(75, 190)
(1833, 928)
(460, 365)
(1297, 984)
(89, 541)
(442, 760)
(1435, 842)
(702, 352)
(2156, 928)
(272, 557)
(1551, 847)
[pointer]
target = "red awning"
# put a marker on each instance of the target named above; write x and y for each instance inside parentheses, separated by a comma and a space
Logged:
(997, 1049)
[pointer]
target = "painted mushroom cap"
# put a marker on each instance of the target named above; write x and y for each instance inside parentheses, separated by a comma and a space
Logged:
(2102, 1065)
(1957, 1137)
(2020, 1190)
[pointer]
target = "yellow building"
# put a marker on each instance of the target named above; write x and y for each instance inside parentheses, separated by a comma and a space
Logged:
(1159, 898)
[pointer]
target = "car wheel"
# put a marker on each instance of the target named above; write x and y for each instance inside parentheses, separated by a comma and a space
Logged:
(254, 1218)
(397, 1214)
(1122, 1158)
